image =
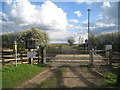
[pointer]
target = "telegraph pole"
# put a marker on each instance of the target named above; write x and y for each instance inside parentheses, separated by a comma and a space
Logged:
(88, 27)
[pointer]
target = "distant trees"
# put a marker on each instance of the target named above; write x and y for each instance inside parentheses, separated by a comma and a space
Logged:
(103, 39)
(70, 40)
(21, 37)
(108, 38)
(92, 40)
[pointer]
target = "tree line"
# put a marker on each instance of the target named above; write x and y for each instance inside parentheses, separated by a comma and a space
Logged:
(105, 39)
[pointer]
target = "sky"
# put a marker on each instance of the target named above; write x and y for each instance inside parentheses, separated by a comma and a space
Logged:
(60, 20)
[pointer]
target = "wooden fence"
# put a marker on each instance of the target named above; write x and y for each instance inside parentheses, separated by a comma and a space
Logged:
(8, 56)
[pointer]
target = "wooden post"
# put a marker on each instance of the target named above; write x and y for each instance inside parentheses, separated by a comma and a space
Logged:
(3, 61)
(110, 57)
(43, 54)
(107, 56)
(38, 56)
(30, 59)
(60, 48)
(91, 57)
(15, 49)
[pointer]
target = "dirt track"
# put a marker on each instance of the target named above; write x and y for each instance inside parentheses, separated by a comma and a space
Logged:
(72, 77)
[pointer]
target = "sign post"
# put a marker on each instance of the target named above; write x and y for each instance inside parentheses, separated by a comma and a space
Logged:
(31, 54)
(15, 48)
(30, 45)
(108, 52)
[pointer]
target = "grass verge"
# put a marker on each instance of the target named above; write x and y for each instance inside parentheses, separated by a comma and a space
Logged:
(13, 76)
(110, 77)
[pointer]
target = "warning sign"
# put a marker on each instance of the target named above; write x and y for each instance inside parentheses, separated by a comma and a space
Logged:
(31, 54)
(108, 47)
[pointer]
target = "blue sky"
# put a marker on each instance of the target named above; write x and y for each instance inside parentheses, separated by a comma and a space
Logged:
(60, 20)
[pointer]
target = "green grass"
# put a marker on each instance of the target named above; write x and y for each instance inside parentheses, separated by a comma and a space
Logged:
(51, 81)
(77, 47)
(110, 78)
(12, 76)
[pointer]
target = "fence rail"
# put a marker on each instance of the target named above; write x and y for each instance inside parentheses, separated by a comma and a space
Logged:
(8, 55)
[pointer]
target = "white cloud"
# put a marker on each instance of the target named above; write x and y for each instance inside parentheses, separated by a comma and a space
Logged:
(73, 20)
(85, 22)
(78, 13)
(47, 16)
(21, 14)
(91, 1)
(106, 4)
(108, 21)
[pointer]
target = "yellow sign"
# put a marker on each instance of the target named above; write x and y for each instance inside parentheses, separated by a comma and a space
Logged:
(15, 47)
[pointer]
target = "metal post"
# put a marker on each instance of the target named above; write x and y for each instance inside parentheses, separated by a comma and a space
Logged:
(88, 27)
(15, 48)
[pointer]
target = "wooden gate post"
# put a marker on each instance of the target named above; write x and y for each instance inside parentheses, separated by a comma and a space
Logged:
(91, 57)
(110, 57)
(60, 50)
(38, 56)
(43, 54)
(3, 61)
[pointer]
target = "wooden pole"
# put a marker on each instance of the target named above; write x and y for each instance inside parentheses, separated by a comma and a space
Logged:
(110, 57)
(30, 59)
(43, 54)
(91, 57)
(15, 48)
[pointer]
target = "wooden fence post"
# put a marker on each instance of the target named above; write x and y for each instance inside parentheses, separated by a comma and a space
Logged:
(43, 54)
(110, 57)
(91, 57)
(38, 55)
(60, 49)
(2, 57)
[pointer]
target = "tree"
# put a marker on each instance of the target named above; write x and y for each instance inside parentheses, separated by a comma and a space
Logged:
(92, 40)
(71, 40)
(23, 36)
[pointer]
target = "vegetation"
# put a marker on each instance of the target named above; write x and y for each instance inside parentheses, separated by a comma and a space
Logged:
(103, 39)
(23, 36)
(12, 76)
(111, 77)
(71, 40)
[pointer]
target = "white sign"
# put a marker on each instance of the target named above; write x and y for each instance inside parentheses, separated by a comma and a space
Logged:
(31, 54)
(108, 47)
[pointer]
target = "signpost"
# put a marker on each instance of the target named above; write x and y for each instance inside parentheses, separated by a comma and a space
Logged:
(30, 45)
(15, 49)
(108, 52)
(31, 55)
